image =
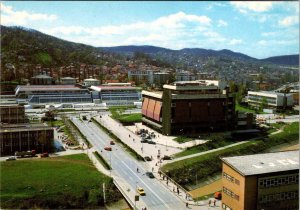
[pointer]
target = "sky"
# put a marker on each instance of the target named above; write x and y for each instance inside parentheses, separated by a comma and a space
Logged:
(259, 29)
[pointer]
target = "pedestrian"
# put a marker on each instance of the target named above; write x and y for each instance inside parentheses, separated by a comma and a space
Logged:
(178, 190)
(167, 183)
(209, 202)
(215, 202)
(173, 189)
(137, 170)
(187, 204)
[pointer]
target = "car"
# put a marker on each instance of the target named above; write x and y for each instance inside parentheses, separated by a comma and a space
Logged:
(150, 175)
(108, 148)
(112, 143)
(140, 191)
(166, 157)
(147, 158)
(45, 154)
(144, 141)
(11, 158)
(151, 142)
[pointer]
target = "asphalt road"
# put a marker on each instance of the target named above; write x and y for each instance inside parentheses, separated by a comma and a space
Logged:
(125, 166)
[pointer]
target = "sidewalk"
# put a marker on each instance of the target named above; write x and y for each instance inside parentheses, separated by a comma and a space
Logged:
(206, 152)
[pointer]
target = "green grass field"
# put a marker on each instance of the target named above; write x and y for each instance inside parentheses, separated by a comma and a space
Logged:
(243, 109)
(61, 182)
(127, 118)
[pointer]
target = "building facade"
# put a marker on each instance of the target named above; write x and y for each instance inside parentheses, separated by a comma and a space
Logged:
(116, 94)
(161, 78)
(12, 113)
(24, 137)
(141, 76)
(185, 76)
(263, 181)
(42, 79)
(90, 82)
(189, 108)
(68, 81)
(39, 94)
(272, 99)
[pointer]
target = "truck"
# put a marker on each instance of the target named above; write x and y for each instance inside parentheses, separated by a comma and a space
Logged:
(25, 154)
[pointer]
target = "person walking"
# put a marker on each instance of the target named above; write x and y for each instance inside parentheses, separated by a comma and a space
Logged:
(215, 202)
(209, 202)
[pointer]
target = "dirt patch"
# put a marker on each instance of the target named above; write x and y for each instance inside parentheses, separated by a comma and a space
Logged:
(207, 189)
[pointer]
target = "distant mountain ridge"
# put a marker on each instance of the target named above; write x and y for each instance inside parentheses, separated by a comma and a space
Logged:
(284, 60)
(148, 49)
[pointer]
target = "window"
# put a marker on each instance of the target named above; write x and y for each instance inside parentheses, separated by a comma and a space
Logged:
(230, 193)
(278, 181)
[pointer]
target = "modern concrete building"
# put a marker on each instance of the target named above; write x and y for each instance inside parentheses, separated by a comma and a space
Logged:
(189, 108)
(272, 99)
(185, 76)
(91, 82)
(68, 81)
(263, 181)
(161, 78)
(12, 113)
(24, 137)
(141, 76)
(42, 79)
(52, 94)
(116, 94)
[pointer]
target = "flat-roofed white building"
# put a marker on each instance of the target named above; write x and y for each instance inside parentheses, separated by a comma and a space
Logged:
(116, 94)
(273, 99)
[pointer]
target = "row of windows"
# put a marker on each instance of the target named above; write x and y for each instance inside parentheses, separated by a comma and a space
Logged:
(224, 206)
(230, 193)
(260, 98)
(279, 197)
(231, 178)
(278, 181)
(121, 98)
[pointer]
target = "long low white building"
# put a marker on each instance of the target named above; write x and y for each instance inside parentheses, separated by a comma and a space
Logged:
(116, 94)
(273, 99)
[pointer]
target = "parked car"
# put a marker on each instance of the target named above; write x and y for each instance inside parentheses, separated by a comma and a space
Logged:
(147, 158)
(151, 142)
(11, 158)
(108, 148)
(166, 157)
(150, 175)
(144, 141)
(140, 191)
(45, 154)
(112, 143)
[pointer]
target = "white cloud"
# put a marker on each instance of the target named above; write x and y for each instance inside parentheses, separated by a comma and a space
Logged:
(11, 17)
(235, 42)
(222, 23)
(255, 6)
(166, 30)
(288, 21)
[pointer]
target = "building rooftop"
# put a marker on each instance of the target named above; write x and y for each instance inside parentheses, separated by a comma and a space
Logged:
(264, 163)
(48, 87)
(43, 76)
(113, 87)
(268, 93)
(22, 127)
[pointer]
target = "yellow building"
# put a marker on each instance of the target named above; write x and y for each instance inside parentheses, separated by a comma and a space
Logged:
(261, 182)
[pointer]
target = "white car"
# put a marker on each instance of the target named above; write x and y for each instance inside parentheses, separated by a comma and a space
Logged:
(11, 158)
